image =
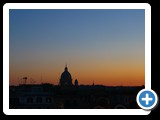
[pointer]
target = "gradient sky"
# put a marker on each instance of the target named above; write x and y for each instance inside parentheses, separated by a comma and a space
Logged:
(104, 46)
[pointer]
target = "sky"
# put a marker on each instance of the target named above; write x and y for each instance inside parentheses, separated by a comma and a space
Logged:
(104, 46)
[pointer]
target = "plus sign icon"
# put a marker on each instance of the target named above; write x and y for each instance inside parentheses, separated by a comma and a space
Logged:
(147, 99)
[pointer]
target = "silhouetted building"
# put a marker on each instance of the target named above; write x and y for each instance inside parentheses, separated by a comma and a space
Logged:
(66, 78)
(32, 96)
(67, 96)
(46, 96)
(76, 82)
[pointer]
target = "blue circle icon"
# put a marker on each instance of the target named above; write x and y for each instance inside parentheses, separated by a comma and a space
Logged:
(147, 99)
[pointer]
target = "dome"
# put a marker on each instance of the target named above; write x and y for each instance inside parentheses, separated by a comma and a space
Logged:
(66, 75)
(66, 78)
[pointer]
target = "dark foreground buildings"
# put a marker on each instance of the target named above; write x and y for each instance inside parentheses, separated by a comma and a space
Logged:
(69, 96)
(47, 96)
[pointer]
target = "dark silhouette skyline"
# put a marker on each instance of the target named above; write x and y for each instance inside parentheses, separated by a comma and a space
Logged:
(48, 96)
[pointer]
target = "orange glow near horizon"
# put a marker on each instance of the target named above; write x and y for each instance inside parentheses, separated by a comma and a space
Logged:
(109, 74)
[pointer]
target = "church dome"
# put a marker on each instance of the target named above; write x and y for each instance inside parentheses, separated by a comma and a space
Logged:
(66, 75)
(66, 78)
